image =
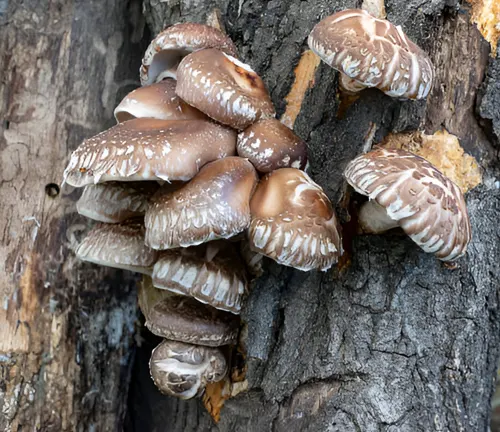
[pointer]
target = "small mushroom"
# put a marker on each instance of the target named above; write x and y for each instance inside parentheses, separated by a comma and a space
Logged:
(168, 48)
(293, 222)
(183, 370)
(407, 191)
(115, 202)
(371, 52)
(224, 88)
(157, 101)
(213, 205)
(212, 273)
(270, 145)
(149, 149)
(119, 246)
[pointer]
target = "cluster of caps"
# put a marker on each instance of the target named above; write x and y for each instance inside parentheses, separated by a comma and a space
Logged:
(198, 160)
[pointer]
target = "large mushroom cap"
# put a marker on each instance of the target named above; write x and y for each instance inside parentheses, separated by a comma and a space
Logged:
(157, 101)
(416, 196)
(224, 88)
(183, 370)
(293, 222)
(115, 202)
(374, 53)
(184, 319)
(149, 149)
(211, 273)
(168, 48)
(119, 246)
(213, 205)
(270, 145)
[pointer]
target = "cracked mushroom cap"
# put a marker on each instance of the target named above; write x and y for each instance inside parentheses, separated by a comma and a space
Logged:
(184, 319)
(119, 246)
(115, 202)
(168, 48)
(213, 205)
(373, 53)
(428, 206)
(149, 149)
(293, 222)
(183, 370)
(157, 101)
(270, 145)
(224, 88)
(212, 273)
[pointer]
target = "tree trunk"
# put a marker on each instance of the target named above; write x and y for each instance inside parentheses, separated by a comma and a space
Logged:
(66, 328)
(396, 341)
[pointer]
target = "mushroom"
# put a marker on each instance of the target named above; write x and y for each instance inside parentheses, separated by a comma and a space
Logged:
(157, 101)
(224, 88)
(168, 48)
(270, 145)
(149, 149)
(407, 191)
(115, 202)
(293, 222)
(119, 246)
(212, 273)
(371, 52)
(183, 370)
(213, 205)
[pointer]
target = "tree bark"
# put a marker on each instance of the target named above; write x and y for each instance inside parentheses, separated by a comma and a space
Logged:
(66, 328)
(397, 341)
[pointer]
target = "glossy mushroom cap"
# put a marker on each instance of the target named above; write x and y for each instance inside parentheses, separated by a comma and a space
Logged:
(149, 149)
(183, 370)
(407, 191)
(119, 246)
(374, 53)
(224, 88)
(168, 48)
(157, 101)
(115, 202)
(270, 145)
(293, 222)
(212, 273)
(213, 205)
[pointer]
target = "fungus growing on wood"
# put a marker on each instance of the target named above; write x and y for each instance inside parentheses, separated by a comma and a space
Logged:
(407, 191)
(371, 52)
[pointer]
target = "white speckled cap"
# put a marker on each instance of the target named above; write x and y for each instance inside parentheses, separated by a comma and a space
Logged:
(149, 149)
(373, 53)
(168, 48)
(183, 370)
(293, 222)
(224, 88)
(428, 206)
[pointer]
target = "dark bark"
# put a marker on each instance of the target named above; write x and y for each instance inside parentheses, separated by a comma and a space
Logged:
(396, 342)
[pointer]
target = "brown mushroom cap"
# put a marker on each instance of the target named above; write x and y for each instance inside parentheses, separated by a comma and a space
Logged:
(224, 88)
(115, 202)
(168, 48)
(373, 52)
(184, 319)
(212, 273)
(119, 246)
(416, 196)
(149, 149)
(293, 222)
(183, 370)
(213, 205)
(157, 101)
(270, 145)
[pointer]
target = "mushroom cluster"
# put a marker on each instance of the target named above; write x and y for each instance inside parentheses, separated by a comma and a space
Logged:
(198, 180)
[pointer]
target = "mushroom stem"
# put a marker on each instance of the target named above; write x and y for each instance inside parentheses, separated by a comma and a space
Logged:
(373, 218)
(349, 85)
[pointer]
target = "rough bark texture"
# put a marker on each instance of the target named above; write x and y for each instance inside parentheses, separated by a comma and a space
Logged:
(66, 328)
(397, 341)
